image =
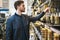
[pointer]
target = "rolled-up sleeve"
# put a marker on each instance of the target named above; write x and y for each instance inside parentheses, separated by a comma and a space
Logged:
(37, 17)
(9, 30)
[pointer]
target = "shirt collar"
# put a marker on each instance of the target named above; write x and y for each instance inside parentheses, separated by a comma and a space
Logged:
(17, 14)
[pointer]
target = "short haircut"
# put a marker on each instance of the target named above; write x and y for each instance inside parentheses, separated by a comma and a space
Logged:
(17, 3)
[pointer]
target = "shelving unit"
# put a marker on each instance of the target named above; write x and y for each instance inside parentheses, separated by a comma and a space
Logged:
(49, 24)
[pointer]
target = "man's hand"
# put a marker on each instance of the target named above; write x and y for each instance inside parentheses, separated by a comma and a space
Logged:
(47, 9)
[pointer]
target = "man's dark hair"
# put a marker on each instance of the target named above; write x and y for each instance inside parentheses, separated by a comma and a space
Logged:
(18, 3)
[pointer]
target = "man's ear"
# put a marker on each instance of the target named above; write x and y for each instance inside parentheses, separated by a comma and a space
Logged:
(17, 6)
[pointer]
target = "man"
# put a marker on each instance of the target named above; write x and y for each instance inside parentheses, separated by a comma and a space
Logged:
(17, 26)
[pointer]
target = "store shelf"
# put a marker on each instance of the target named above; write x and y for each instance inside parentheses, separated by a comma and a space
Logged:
(54, 28)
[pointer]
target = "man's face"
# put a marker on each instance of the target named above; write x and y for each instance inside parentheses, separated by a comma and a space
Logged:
(21, 7)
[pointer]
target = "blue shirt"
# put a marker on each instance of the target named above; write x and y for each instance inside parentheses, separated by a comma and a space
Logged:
(17, 27)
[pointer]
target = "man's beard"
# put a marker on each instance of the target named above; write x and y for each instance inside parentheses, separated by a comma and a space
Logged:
(22, 10)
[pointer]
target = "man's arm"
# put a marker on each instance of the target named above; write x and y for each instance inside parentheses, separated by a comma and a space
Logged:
(39, 16)
(9, 32)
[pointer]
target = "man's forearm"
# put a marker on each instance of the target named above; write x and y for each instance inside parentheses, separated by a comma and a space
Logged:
(41, 15)
(37, 17)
